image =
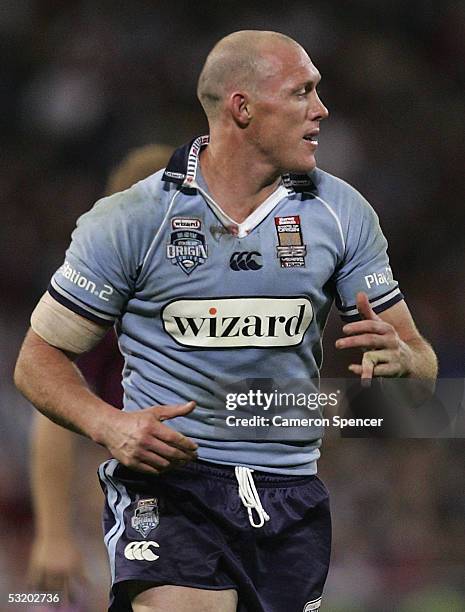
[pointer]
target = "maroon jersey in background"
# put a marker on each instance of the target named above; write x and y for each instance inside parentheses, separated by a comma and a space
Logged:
(102, 367)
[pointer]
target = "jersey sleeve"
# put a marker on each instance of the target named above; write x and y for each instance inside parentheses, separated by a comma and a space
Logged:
(365, 266)
(101, 263)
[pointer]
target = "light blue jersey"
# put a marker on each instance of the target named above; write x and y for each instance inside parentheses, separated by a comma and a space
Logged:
(198, 298)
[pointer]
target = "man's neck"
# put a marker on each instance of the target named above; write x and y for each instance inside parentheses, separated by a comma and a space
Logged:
(236, 180)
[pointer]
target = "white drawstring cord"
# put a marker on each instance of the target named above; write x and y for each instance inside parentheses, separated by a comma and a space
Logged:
(249, 495)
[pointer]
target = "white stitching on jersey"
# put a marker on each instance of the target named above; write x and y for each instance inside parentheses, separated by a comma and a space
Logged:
(152, 245)
(336, 218)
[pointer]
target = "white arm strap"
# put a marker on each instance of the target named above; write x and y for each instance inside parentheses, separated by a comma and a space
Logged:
(63, 328)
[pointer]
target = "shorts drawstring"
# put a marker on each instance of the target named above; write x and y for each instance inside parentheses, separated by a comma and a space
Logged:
(249, 495)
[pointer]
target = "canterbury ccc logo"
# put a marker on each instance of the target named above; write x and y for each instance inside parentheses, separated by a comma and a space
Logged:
(238, 322)
(141, 551)
(245, 260)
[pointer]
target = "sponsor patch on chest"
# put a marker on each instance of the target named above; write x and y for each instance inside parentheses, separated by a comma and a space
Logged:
(239, 322)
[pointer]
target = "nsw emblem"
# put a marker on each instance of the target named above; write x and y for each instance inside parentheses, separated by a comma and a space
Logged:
(146, 516)
(187, 247)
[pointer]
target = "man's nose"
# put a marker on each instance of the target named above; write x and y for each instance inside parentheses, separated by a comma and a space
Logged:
(318, 109)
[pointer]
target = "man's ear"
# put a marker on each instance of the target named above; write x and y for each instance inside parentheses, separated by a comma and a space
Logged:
(239, 107)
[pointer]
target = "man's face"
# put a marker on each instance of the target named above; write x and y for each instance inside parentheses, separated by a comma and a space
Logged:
(286, 110)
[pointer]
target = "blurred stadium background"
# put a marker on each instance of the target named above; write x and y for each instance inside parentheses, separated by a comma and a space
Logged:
(83, 82)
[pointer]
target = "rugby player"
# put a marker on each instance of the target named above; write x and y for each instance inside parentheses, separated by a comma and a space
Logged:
(226, 262)
(56, 561)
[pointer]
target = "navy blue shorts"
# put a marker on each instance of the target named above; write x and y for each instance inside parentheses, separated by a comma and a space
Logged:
(189, 527)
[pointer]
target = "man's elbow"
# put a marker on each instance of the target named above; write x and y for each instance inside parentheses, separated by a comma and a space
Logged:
(23, 364)
(18, 375)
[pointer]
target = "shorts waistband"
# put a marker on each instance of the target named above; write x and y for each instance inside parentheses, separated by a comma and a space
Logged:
(227, 472)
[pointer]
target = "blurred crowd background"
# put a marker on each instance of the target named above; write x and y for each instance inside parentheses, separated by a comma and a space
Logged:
(83, 82)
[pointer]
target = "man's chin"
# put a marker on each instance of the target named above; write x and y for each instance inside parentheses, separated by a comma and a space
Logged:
(304, 167)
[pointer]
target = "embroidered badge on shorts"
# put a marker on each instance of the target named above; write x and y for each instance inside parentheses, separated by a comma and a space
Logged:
(146, 516)
(291, 249)
(187, 248)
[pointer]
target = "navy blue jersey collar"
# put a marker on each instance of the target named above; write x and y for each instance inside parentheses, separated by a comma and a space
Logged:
(182, 168)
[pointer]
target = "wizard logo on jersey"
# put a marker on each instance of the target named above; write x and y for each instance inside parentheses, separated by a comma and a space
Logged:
(187, 248)
(146, 516)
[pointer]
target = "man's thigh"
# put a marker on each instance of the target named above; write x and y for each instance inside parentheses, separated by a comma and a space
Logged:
(181, 599)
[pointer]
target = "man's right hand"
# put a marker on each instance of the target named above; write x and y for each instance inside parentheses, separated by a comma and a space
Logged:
(141, 441)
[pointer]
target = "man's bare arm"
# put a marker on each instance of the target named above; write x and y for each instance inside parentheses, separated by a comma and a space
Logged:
(49, 379)
(55, 561)
(52, 464)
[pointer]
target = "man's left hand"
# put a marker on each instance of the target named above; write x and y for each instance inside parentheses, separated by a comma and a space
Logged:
(384, 353)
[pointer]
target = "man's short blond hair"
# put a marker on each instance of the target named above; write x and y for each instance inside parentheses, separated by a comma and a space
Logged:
(236, 61)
